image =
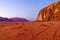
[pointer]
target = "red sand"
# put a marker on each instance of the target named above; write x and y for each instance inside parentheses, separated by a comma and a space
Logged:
(30, 30)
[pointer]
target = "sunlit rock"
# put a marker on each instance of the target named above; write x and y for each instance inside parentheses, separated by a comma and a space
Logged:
(50, 13)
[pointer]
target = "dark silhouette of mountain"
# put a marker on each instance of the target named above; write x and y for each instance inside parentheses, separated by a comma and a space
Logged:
(5, 19)
(15, 19)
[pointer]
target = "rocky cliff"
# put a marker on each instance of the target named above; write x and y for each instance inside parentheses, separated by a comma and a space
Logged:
(50, 13)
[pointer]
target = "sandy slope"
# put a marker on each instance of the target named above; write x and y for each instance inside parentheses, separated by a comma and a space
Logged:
(30, 30)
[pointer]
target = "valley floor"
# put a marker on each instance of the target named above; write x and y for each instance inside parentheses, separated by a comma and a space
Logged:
(30, 30)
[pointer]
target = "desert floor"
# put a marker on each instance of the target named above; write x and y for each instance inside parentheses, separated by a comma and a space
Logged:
(30, 30)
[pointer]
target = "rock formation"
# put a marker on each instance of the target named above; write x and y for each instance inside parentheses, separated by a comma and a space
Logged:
(50, 13)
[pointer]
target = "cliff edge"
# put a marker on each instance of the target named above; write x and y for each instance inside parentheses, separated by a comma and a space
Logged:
(50, 13)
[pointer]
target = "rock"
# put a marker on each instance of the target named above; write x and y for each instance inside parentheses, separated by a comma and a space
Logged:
(50, 13)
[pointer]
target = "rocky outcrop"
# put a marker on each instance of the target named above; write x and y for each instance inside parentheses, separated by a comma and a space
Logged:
(50, 13)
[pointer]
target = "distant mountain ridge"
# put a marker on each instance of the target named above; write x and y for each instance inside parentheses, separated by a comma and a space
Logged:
(14, 19)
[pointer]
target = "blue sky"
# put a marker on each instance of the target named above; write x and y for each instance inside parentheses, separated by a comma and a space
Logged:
(23, 8)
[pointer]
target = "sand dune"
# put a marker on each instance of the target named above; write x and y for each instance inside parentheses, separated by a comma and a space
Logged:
(30, 30)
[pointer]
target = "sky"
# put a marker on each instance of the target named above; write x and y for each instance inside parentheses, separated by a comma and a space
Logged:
(28, 9)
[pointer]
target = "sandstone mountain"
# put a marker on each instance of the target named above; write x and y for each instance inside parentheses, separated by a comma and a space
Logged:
(50, 13)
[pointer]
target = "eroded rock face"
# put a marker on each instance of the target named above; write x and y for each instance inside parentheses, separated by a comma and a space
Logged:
(50, 13)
